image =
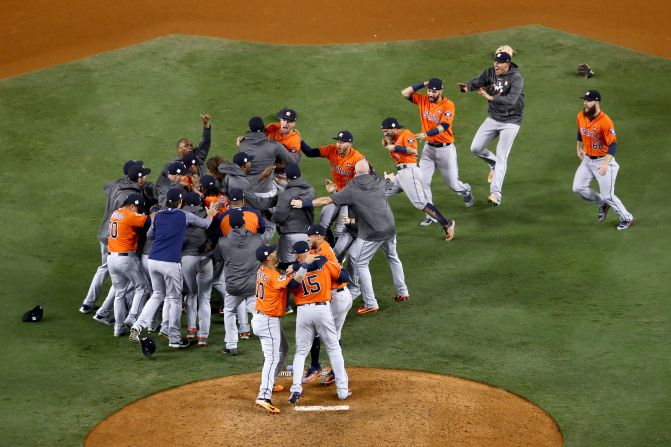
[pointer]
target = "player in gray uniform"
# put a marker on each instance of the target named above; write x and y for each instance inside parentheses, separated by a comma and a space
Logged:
(237, 251)
(291, 222)
(197, 271)
(503, 88)
(236, 173)
(168, 229)
(366, 194)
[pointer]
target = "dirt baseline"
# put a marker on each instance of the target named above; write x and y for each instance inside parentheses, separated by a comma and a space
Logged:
(388, 407)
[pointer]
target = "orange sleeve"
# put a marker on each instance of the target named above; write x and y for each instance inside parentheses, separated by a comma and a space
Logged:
(136, 220)
(327, 151)
(417, 98)
(272, 130)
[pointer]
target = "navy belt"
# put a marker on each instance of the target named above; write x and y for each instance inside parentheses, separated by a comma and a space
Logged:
(437, 144)
(404, 165)
(321, 303)
(342, 289)
(592, 157)
(112, 253)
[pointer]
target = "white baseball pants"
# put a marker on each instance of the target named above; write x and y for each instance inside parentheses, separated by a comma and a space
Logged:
(588, 170)
(275, 348)
(231, 305)
(341, 303)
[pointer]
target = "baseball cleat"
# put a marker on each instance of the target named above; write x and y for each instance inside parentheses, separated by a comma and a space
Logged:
(311, 375)
(163, 333)
(130, 320)
(267, 405)
(344, 394)
(449, 230)
(624, 224)
(121, 333)
(277, 388)
(289, 310)
(603, 212)
(202, 341)
(428, 221)
(494, 200)
(399, 298)
(103, 320)
(490, 176)
(191, 333)
(232, 351)
(134, 335)
(328, 379)
(367, 310)
(181, 344)
(294, 397)
(86, 309)
(244, 335)
(469, 200)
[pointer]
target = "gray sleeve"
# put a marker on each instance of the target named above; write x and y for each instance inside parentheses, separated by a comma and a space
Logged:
(200, 222)
(285, 155)
(151, 233)
(478, 82)
(516, 87)
(343, 197)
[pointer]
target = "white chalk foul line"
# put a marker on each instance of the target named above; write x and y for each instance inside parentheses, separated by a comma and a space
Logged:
(321, 408)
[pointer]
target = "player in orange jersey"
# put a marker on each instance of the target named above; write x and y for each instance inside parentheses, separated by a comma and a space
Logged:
(437, 113)
(342, 158)
(271, 302)
(402, 148)
(314, 317)
(597, 143)
(124, 265)
(285, 133)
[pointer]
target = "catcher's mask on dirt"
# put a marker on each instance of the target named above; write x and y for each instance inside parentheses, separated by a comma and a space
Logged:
(148, 346)
(33, 315)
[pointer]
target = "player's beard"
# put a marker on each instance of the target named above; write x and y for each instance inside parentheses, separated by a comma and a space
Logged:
(590, 111)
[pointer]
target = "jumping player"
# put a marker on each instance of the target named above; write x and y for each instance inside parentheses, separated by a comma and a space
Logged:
(402, 148)
(437, 113)
(597, 143)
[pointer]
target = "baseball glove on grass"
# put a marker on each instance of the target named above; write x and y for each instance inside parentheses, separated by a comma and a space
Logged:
(585, 70)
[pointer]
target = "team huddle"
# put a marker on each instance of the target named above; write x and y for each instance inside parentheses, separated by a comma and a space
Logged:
(206, 225)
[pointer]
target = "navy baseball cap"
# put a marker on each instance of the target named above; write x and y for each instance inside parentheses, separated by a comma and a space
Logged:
(136, 172)
(390, 123)
(207, 181)
(292, 171)
(592, 95)
(287, 114)
(241, 158)
(264, 251)
(134, 199)
(435, 84)
(177, 168)
(235, 194)
(256, 124)
(192, 199)
(502, 56)
(316, 229)
(236, 218)
(191, 159)
(174, 195)
(301, 247)
(344, 135)
(131, 163)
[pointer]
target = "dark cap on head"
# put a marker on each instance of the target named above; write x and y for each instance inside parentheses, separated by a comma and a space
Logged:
(592, 95)
(131, 163)
(316, 229)
(301, 247)
(390, 123)
(207, 181)
(192, 199)
(177, 168)
(256, 124)
(241, 158)
(236, 218)
(136, 172)
(292, 171)
(287, 114)
(174, 195)
(134, 199)
(264, 251)
(502, 57)
(345, 136)
(191, 159)
(235, 194)
(435, 84)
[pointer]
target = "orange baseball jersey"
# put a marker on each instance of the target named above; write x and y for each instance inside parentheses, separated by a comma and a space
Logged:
(217, 198)
(251, 222)
(342, 167)
(325, 250)
(316, 285)
(407, 139)
(432, 114)
(123, 230)
(596, 134)
(291, 141)
(271, 291)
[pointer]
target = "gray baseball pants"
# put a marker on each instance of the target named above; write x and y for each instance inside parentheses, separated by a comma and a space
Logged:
(445, 158)
(332, 213)
(587, 171)
(232, 304)
(197, 271)
(127, 279)
(275, 349)
(487, 131)
(360, 254)
(409, 180)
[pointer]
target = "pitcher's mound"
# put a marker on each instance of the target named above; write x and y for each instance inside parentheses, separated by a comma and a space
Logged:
(387, 407)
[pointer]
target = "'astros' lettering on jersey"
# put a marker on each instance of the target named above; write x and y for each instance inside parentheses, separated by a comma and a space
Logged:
(271, 291)
(316, 285)
(432, 114)
(123, 230)
(290, 141)
(407, 139)
(326, 251)
(342, 168)
(597, 134)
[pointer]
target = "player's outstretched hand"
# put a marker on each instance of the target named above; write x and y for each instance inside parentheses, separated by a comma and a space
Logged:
(482, 92)
(389, 176)
(420, 136)
(462, 87)
(330, 186)
(213, 209)
(206, 119)
(239, 140)
(296, 203)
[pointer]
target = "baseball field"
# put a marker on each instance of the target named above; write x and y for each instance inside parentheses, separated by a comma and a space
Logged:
(534, 297)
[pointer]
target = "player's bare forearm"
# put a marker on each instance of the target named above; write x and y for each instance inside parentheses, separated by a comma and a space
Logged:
(322, 201)
(406, 92)
(579, 149)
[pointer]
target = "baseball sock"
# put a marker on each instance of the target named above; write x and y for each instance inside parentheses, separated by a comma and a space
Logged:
(314, 353)
(433, 212)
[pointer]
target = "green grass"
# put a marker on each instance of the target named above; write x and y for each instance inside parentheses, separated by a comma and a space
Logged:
(534, 296)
